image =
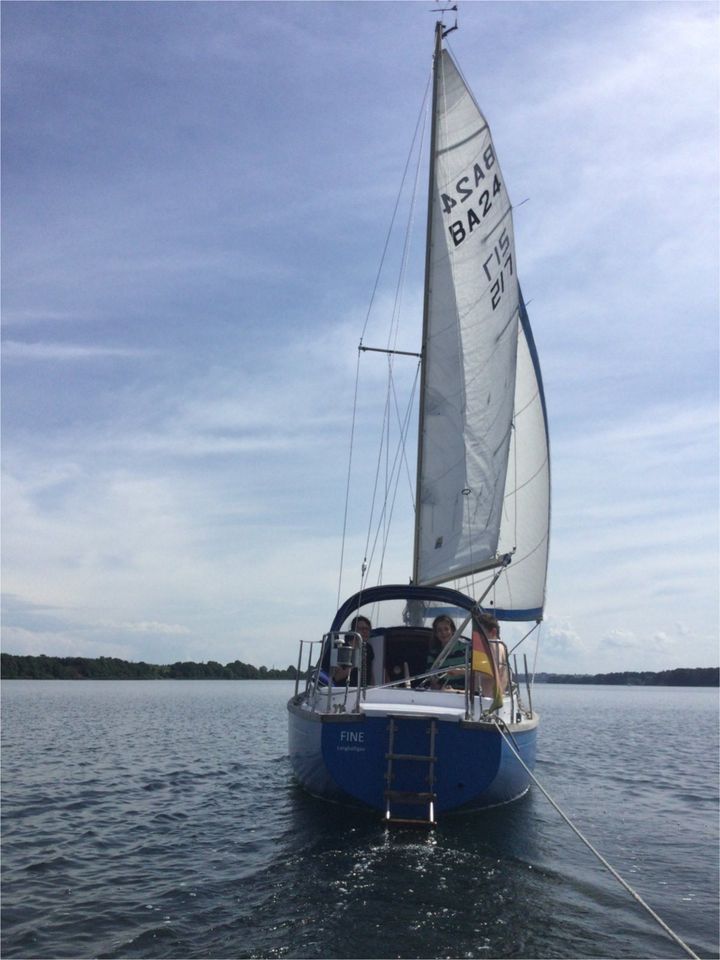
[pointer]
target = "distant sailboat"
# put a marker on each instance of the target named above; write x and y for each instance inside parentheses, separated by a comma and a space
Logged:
(411, 731)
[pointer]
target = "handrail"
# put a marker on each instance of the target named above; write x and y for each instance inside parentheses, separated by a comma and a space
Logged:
(359, 662)
(309, 644)
(356, 662)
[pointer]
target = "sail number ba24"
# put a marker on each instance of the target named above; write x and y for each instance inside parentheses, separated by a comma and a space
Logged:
(473, 185)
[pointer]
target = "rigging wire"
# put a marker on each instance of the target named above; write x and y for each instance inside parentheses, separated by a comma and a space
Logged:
(349, 474)
(419, 127)
(507, 737)
(399, 419)
(392, 339)
(535, 658)
(403, 459)
(385, 426)
(393, 334)
(523, 639)
(471, 576)
(396, 466)
(385, 437)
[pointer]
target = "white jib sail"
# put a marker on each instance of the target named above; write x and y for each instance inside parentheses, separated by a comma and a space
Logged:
(484, 481)
(519, 593)
(471, 344)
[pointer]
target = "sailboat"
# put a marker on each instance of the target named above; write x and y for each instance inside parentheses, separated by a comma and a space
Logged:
(383, 715)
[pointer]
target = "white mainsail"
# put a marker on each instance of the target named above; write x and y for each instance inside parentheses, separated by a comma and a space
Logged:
(483, 472)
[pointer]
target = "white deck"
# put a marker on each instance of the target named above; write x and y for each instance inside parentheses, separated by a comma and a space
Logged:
(414, 708)
(447, 705)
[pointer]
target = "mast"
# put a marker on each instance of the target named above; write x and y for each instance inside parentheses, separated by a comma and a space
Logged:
(439, 33)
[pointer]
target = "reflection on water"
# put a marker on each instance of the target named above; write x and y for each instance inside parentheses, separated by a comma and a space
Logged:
(451, 891)
(160, 819)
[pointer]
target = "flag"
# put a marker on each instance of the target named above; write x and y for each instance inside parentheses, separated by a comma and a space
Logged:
(483, 662)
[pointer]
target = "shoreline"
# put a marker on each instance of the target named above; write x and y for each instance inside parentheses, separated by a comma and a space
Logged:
(42, 667)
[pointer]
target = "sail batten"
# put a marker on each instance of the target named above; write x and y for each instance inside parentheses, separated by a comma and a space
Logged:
(461, 143)
(483, 465)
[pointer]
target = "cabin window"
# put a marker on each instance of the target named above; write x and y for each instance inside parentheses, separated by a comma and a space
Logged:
(406, 652)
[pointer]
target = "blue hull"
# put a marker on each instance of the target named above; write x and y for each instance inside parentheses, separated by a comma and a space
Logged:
(344, 758)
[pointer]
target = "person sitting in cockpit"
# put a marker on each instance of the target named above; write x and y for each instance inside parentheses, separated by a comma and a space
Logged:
(340, 673)
(443, 630)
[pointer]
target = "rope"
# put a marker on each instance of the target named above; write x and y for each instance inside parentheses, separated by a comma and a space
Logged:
(394, 214)
(535, 658)
(349, 475)
(523, 639)
(603, 861)
(419, 129)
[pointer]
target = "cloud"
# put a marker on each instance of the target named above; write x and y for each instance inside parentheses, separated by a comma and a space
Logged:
(22, 642)
(560, 639)
(661, 641)
(21, 317)
(621, 639)
(147, 627)
(30, 627)
(187, 270)
(58, 352)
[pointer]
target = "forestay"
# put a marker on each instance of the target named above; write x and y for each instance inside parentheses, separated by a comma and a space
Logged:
(483, 477)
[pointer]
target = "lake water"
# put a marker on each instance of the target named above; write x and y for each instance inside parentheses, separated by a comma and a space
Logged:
(160, 819)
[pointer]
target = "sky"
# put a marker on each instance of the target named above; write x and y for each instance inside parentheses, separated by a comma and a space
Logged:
(195, 201)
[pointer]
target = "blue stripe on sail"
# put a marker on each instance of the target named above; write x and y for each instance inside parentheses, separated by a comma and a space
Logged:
(519, 615)
(532, 614)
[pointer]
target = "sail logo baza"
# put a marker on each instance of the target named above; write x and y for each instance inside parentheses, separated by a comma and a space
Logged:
(498, 264)
(465, 188)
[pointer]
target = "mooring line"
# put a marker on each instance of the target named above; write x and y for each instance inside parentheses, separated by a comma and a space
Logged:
(508, 738)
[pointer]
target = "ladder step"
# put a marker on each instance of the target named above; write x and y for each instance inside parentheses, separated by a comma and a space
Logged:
(415, 822)
(408, 796)
(410, 756)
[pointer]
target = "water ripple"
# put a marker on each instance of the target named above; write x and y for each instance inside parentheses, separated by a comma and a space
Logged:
(160, 820)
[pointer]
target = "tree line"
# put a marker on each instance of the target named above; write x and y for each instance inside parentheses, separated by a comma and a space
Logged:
(15, 667)
(681, 677)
